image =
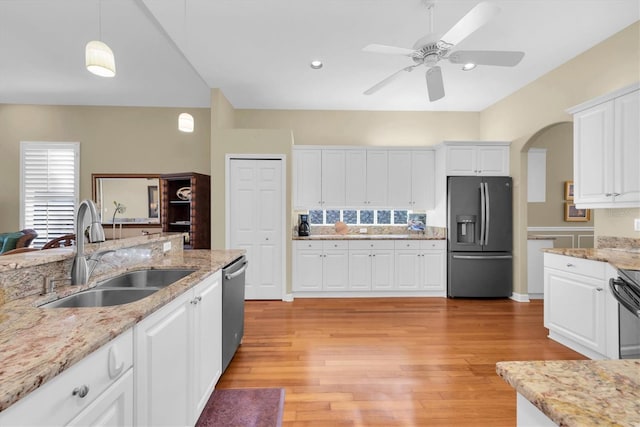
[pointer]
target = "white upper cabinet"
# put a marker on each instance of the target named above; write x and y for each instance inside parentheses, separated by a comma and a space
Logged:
(333, 178)
(307, 179)
(606, 150)
(477, 158)
(411, 178)
(377, 195)
(356, 177)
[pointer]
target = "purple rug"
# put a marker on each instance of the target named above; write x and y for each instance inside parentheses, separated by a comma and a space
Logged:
(247, 407)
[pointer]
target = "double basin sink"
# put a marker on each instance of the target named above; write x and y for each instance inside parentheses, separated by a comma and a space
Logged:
(123, 289)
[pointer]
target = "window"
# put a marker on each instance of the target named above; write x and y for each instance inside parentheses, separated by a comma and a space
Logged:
(359, 217)
(48, 188)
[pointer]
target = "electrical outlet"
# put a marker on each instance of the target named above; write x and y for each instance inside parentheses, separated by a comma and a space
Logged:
(636, 224)
(363, 231)
(166, 246)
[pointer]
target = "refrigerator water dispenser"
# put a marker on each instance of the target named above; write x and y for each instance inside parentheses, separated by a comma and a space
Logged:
(466, 230)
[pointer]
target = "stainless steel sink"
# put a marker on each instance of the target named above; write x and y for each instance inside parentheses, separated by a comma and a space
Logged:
(123, 289)
(101, 298)
(151, 278)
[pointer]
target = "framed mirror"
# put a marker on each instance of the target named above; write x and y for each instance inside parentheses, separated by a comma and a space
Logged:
(130, 200)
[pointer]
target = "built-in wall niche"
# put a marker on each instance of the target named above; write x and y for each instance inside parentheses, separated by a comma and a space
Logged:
(130, 200)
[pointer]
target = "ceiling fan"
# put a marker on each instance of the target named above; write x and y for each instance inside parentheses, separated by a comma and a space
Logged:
(430, 49)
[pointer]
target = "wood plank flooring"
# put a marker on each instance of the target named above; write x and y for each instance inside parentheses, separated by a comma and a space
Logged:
(390, 361)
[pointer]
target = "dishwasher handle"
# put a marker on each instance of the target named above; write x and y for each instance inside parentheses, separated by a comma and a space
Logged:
(229, 276)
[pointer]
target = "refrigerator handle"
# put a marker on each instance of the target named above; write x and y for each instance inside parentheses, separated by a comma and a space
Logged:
(483, 257)
(482, 209)
(488, 215)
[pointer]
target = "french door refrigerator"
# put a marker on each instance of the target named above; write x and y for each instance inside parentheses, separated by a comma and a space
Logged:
(479, 236)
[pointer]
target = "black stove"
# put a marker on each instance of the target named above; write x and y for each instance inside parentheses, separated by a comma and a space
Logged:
(626, 290)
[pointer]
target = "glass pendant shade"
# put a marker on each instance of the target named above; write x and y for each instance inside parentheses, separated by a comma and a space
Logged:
(185, 122)
(99, 59)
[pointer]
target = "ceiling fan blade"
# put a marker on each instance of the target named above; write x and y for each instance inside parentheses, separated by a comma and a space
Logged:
(435, 85)
(392, 50)
(388, 80)
(474, 19)
(487, 57)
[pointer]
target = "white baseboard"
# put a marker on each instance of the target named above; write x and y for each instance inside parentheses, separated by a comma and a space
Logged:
(520, 297)
(287, 298)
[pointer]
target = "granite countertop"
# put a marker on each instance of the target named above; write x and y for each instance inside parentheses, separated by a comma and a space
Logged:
(37, 344)
(617, 257)
(369, 237)
(579, 392)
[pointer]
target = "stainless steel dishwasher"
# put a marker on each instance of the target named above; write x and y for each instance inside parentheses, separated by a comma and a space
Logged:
(232, 308)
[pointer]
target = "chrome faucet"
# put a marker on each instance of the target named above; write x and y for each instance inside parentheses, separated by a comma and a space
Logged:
(79, 270)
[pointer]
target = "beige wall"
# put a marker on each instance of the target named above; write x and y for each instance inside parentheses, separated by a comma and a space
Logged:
(376, 128)
(558, 141)
(112, 140)
(612, 64)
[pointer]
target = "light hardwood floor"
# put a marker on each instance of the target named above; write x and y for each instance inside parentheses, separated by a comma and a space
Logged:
(390, 361)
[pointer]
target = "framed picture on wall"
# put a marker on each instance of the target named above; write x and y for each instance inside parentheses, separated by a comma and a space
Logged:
(568, 190)
(572, 214)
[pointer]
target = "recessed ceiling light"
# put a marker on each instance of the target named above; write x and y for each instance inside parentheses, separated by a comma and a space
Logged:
(468, 66)
(316, 65)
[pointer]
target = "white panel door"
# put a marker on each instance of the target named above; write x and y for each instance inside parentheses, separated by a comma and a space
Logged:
(307, 179)
(627, 148)
(356, 177)
(382, 269)
(308, 270)
(377, 178)
(493, 160)
(256, 223)
(335, 270)
(423, 179)
(433, 263)
(360, 270)
(408, 269)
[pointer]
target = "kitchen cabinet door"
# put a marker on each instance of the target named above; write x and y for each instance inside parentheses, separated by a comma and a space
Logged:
(592, 152)
(356, 177)
(359, 269)
(382, 269)
(333, 179)
(335, 270)
(461, 160)
(408, 269)
(400, 179)
(627, 149)
(434, 264)
(492, 160)
(162, 360)
(114, 407)
(308, 270)
(376, 178)
(423, 180)
(207, 344)
(307, 179)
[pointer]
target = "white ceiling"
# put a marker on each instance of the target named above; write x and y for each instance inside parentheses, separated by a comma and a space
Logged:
(170, 52)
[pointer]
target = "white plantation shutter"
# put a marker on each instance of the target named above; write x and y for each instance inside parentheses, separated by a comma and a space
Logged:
(49, 188)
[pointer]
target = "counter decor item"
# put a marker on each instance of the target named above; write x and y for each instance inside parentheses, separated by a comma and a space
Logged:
(341, 228)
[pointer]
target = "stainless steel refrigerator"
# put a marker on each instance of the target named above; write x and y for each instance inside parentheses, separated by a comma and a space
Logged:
(479, 236)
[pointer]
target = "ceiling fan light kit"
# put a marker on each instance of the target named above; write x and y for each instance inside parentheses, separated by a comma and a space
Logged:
(429, 50)
(316, 64)
(185, 122)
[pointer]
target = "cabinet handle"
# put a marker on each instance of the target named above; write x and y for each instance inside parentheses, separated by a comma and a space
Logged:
(113, 367)
(608, 194)
(616, 194)
(196, 300)
(599, 289)
(570, 265)
(81, 391)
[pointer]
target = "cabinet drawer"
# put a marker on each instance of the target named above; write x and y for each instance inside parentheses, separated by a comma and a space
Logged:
(335, 244)
(54, 403)
(585, 267)
(407, 244)
(372, 244)
(308, 244)
(433, 244)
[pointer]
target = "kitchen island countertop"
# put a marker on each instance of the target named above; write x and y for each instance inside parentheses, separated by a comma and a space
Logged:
(579, 392)
(619, 258)
(39, 343)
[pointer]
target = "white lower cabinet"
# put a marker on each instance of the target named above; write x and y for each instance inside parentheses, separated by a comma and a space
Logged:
(574, 303)
(369, 266)
(98, 390)
(321, 266)
(420, 265)
(179, 356)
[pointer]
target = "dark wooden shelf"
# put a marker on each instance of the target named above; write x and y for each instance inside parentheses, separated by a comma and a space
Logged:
(192, 216)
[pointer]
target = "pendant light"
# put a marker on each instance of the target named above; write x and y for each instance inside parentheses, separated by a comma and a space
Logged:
(185, 122)
(99, 57)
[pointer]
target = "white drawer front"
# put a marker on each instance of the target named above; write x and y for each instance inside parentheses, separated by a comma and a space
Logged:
(335, 244)
(308, 244)
(586, 267)
(54, 403)
(407, 244)
(372, 244)
(433, 244)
